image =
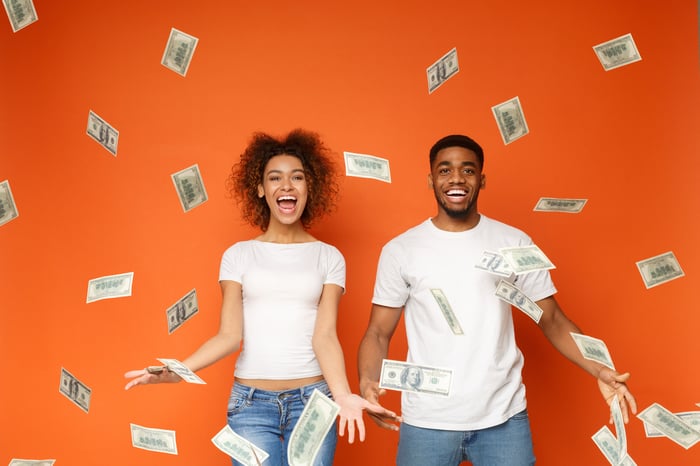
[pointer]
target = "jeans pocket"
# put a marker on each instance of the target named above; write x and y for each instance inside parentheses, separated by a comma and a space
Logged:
(236, 404)
(326, 391)
(521, 416)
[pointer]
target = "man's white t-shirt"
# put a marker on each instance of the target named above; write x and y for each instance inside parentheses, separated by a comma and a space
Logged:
(487, 386)
(282, 285)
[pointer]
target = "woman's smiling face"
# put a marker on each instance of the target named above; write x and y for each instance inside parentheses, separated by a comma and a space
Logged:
(284, 188)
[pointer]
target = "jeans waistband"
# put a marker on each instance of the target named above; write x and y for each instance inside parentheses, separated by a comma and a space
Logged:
(253, 393)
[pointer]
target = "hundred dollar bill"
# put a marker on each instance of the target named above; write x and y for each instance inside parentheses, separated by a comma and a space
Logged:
(178, 51)
(367, 166)
(21, 462)
(515, 297)
(314, 423)
(619, 422)
(692, 418)
(670, 425)
(447, 311)
(110, 286)
(551, 204)
(617, 52)
(160, 440)
(442, 70)
(593, 349)
(183, 371)
(524, 259)
(659, 269)
(20, 12)
(102, 132)
(494, 263)
(238, 448)
(511, 120)
(609, 446)
(182, 310)
(75, 390)
(8, 208)
(399, 375)
(190, 187)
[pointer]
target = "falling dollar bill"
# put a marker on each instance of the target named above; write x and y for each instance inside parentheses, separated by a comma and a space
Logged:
(178, 51)
(551, 204)
(447, 311)
(659, 269)
(102, 132)
(442, 70)
(190, 187)
(399, 375)
(182, 310)
(593, 349)
(239, 448)
(75, 390)
(670, 425)
(160, 440)
(515, 297)
(20, 12)
(617, 52)
(310, 430)
(20, 462)
(609, 446)
(8, 208)
(692, 418)
(524, 259)
(183, 371)
(367, 166)
(619, 422)
(494, 263)
(110, 286)
(510, 119)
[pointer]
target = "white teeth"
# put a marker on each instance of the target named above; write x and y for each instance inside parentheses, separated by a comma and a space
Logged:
(287, 198)
(456, 191)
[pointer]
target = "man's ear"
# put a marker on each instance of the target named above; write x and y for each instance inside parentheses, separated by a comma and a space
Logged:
(430, 181)
(483, 181)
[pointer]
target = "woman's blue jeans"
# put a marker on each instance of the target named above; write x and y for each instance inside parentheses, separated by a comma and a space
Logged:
(267, 418)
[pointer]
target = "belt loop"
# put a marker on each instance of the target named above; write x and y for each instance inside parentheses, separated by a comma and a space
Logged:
(250, 394)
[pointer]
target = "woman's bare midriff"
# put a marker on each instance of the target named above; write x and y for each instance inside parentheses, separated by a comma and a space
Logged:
(279, 385)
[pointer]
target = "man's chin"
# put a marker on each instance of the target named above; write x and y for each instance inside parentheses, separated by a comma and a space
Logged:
(458, 214)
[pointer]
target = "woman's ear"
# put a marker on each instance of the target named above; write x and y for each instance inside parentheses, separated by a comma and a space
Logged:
(261, 191)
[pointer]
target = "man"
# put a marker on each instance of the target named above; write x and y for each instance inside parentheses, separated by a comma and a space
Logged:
(484, 418)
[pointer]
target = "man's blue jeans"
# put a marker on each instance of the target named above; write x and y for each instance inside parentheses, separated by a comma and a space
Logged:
(508, 444)
(267, 418)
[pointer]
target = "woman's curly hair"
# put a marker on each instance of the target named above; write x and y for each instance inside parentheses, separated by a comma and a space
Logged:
(319, 170)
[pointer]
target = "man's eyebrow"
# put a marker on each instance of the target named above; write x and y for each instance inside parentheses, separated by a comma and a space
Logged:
(465, 163)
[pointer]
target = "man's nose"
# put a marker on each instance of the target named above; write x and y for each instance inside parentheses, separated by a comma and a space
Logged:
(456, 177)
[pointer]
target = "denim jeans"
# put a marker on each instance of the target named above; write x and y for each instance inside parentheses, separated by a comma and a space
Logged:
(507, 444)
(267, 418)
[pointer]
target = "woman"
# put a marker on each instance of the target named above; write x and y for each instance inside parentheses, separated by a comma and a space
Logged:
(280, 297)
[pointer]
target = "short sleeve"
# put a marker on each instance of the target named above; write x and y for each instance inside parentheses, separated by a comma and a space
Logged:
(335, 273)
(390, 288)
(231, 265)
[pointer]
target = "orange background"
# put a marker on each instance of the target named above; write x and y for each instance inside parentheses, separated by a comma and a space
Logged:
(625, 139)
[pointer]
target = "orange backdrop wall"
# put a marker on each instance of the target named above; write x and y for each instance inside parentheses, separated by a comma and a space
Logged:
(625, 139)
